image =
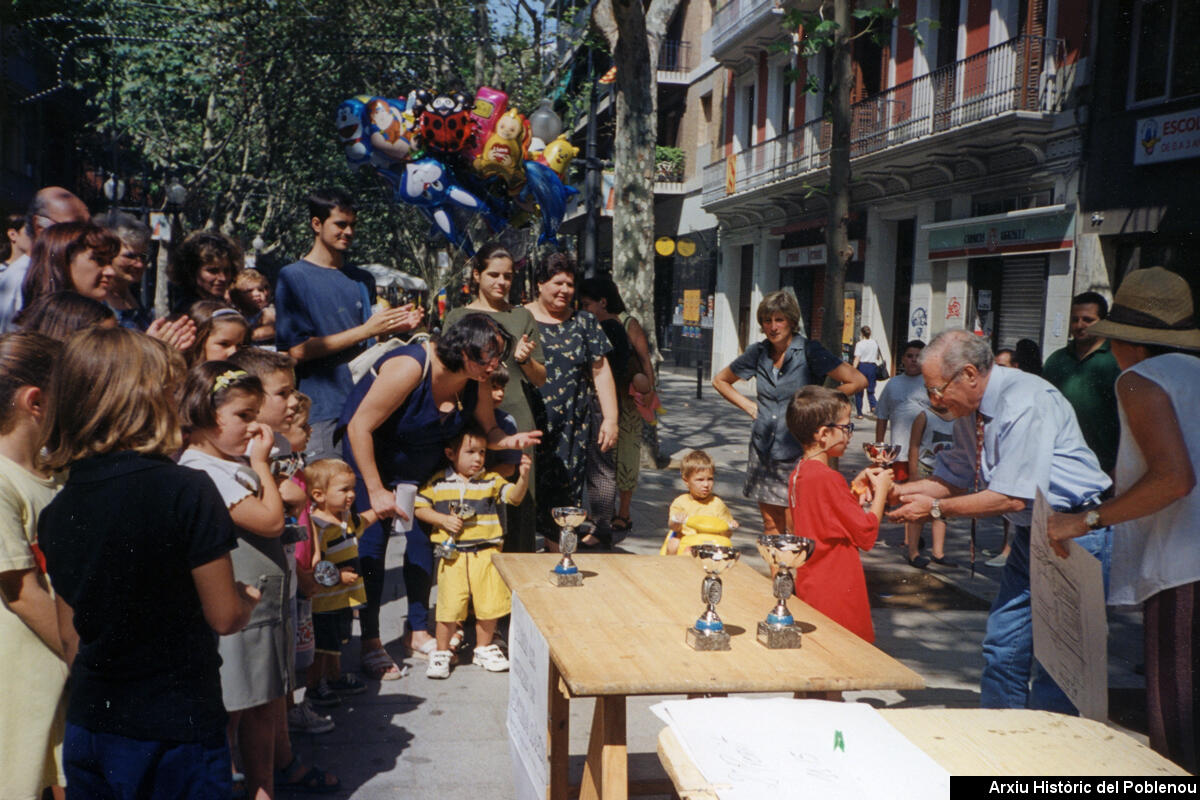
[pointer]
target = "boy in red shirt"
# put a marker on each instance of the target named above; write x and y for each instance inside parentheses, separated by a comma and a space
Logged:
(825, 510)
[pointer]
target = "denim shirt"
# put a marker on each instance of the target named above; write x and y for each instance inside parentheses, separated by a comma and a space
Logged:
(804, 363)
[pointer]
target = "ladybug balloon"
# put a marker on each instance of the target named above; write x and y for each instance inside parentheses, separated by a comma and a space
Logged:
(446, 123)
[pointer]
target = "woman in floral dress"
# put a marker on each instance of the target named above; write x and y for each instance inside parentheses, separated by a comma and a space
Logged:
(577, 375)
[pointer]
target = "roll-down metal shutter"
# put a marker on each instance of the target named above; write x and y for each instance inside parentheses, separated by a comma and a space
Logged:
(1022, 311)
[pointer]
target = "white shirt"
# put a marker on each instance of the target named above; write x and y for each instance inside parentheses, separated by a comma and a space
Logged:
(12, 279)
(902, 399)
(866, 351)
(1158, 552)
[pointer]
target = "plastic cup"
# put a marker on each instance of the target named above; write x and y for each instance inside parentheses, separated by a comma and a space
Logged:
(406, 495)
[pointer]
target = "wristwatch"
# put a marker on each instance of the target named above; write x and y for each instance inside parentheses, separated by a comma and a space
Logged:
(935, 510)
(1092, 519)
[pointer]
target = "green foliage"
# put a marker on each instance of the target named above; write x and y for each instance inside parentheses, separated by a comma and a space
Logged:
(668, 163)
(236, 98)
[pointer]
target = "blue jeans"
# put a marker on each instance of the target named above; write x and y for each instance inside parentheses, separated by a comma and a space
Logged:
(1008, 643)
(870, 371)
(105, 766)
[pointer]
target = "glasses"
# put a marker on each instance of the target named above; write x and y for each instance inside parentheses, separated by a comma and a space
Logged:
(848, 427)
(938, 392)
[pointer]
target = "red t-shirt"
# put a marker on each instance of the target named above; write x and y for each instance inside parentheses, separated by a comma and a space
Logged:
(826, 511)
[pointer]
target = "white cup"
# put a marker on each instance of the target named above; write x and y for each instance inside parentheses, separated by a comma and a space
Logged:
(406, 494)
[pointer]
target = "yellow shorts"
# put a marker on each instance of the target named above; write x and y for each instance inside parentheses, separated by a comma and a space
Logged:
(471, 578)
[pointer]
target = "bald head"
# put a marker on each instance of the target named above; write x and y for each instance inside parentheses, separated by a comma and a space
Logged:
(53, 205)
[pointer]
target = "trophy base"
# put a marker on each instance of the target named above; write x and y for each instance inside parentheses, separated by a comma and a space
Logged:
(566, 578)
(707, 640)
(785, 637)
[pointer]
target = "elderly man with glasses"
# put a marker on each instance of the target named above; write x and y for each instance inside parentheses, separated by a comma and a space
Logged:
(1014, 433)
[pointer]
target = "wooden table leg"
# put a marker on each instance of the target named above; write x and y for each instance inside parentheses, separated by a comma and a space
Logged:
(558, 720)
(834, 696)
(606, 771)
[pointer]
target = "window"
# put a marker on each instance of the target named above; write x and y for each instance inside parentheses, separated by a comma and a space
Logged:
(751, 110)
(787, 89)
(1165, 61)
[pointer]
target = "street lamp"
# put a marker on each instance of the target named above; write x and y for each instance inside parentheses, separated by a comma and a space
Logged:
(176, 193)
(114, 189)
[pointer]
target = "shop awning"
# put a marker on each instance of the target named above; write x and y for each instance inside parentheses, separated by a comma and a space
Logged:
(1034, 230)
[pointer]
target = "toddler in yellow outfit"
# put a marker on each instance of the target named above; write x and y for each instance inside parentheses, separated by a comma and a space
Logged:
(698, 473)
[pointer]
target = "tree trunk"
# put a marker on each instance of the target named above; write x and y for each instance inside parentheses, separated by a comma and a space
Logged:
(837, 240)
(634, 34)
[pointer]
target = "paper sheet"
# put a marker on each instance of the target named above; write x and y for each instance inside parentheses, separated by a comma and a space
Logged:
(1070, 627)
(748, 749)
(528, 705)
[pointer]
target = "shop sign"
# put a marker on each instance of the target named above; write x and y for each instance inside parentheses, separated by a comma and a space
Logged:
(1168, 137)
(1003, 234)
(813, 256)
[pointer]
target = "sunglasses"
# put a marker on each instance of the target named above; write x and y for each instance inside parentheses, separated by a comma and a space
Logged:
(936, 393)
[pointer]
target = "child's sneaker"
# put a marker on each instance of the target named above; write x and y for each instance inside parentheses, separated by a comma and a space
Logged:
(439, 664)
(322, 696)
(304, 719)
(348, 684)
(490, 658)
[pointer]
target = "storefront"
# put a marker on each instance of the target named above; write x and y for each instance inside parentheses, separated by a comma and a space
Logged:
(1017, 263)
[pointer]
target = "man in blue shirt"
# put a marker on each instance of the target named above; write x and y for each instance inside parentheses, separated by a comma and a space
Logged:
(1014, 433)
(324, 316)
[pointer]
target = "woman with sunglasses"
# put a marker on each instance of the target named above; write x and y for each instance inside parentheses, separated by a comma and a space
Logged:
(398, 420)
(781, 364)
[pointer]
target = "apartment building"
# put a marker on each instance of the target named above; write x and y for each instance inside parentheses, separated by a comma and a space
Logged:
(966, 156)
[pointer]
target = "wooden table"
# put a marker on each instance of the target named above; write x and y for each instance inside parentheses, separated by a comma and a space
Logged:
(622, 633)
(976, 741)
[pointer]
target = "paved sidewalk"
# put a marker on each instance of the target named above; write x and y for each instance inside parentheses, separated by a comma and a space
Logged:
(446, 739)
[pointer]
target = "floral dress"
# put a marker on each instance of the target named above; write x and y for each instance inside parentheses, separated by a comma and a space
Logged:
(571, 348)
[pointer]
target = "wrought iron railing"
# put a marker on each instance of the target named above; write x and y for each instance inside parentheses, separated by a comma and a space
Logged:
(1019, 75)
(674, 55)
(734, 16)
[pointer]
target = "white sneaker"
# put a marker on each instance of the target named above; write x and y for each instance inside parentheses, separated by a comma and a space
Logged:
(439, 664)
(490, 658)
(305, 719)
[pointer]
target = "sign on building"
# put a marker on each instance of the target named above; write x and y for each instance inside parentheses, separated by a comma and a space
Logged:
(1169, 137)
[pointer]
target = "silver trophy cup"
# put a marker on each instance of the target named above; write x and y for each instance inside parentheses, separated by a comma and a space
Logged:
(709, 632)
(881, 454)
(565, 572)
(783, 552)
(326, 573)
(449, 548)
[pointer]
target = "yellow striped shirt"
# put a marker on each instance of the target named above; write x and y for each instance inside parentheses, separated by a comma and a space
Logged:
(339, 545)
(482, 493)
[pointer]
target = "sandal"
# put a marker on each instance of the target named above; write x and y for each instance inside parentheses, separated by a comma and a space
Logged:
(378, 666)
(456, 640)
(622, 524)
(311, 779)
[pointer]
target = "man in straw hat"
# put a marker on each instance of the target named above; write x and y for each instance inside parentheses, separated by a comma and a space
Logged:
(1156, 508)
(1014, 434)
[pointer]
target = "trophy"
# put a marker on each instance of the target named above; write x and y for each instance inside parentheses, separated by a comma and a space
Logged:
(565, 573)
(783, 552)
(326, 573)
(449, 548)
(881, 454)
(709, 632)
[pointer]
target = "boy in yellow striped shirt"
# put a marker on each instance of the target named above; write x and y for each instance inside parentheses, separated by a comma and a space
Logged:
(460, 504)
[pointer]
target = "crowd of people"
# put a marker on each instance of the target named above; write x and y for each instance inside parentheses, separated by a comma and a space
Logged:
(195, 508)
(269, 457)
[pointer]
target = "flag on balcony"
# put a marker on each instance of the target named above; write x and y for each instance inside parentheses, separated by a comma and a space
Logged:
(609, 76)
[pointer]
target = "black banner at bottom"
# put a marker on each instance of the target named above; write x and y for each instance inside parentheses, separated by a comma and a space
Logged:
(974, 787)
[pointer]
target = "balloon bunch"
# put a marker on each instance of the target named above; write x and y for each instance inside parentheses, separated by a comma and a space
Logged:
(447, 152)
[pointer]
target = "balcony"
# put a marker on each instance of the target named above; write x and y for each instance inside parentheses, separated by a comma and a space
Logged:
(1020, 75)
(734, 18)
(675, 55)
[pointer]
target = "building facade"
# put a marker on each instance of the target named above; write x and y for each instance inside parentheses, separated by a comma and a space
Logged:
(966, 157)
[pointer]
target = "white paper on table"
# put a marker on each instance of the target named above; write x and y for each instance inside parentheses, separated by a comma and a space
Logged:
(528, 704)
(787, 749)
(1070, 627)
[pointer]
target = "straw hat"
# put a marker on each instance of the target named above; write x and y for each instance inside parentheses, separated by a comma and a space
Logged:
(1153, 306)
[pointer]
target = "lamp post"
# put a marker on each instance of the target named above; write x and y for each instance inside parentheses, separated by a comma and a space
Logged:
(176, 196)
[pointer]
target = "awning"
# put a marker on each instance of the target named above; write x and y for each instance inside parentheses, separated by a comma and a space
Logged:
(387, 276)
(1034, 230)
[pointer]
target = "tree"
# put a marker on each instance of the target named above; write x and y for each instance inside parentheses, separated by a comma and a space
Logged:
(830, 30)
(634, 33)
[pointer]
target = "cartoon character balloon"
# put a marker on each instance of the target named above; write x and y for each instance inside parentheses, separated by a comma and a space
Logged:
(387, 132)
(558, 155)
(504, 151)
(426, 184)
(489, 106)
(543, 186)
(350, 130)
(446, 124)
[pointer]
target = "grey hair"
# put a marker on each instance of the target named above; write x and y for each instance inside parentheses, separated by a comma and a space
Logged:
(128, 228)
(957, 349)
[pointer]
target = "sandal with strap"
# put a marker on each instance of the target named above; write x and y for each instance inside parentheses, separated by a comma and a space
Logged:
(311, 779)
(622, 524)
(379, 666)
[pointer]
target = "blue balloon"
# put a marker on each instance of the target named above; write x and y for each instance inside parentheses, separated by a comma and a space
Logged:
(543, 186)
(428, 185)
